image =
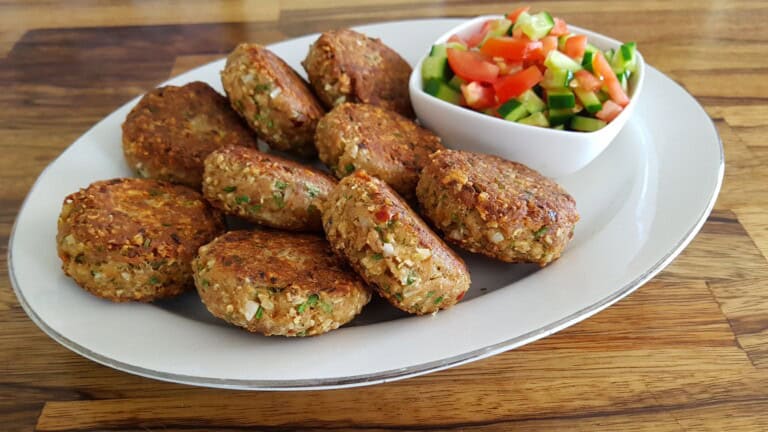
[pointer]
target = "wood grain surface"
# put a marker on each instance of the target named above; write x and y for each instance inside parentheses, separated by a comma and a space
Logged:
(687, 352)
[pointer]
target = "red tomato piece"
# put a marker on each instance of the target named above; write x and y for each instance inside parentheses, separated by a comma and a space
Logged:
(510, 48)
(548, 43)
(602, 68)
(609, 112)
(382, 215)
(512, 86)
(475, 39)
(587, 81)
(460, 296)
(560, 28)
(457, 39)
(478, 96)
(575, 46)
(508, 68)
(472, 66)
(512, 16)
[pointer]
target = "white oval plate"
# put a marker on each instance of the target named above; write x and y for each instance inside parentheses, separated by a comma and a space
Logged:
(641, 202)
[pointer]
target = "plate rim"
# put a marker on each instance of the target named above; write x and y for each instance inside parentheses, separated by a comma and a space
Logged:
(388, 375)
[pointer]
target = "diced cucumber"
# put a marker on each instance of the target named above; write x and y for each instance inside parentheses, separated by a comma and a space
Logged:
(609, 54)
(602, 96)
(559, 127)
(556, 78)
(456, 45)
(439, 50)
(436, 68)
(456, 82)
(625, 59)
(561, 98)
(513, 110)
(558, 116)
(586, 124)
(624, 80)
(591, 48)
(535, 26)
(535, 119)
(561, 41)
(441, 90)
(532, 102)
(557, 60)
(587, 61)
(589, 100)
(498, 28)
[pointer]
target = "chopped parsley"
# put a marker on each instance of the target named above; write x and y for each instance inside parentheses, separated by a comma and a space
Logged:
(280, 185)
(454, 218)
(430, 294)
(259, 312)
(301, 308)
(255, 208)
(154, 280)
(205, 282)
(313, 299)
(239, 105)
(154, 192)
(377, 256)
(327, 307)
(301, 333)
(243, 199)
(279, 199)
(399, 297)
(230, 189)
(349, 168)
(263, 87)
(410, 279)
(543, 230)
(147, 243)
(439, 300)
(312, 190)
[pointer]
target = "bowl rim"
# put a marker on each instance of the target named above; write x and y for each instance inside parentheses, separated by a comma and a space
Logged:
(415, 82)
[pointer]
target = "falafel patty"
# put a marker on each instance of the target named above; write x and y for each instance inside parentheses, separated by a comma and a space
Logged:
(172, 129)
(266, 189)
(278, 283)
(391, 247)
(380, 141)
(134, 239)
(496, 207)
(347, 66)
(275, 101)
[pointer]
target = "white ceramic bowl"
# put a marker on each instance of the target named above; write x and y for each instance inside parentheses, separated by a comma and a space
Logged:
(553, 153)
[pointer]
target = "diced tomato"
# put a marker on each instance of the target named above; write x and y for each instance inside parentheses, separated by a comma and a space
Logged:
(549, 43)
(382, 215)
(478, 96)
(512, 16)
(457, 38)
(475, 39)
(560, 28)
(472, 66)
(587, 81)
(460, 296)
(508, 68)
(609, 112)
(575, 46)
(514, 49)
(512, 86)
(517, 32)
(602, 68)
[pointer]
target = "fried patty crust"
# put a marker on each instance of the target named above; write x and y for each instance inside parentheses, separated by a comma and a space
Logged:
(377, 140)
(172, 129)
(277, 283)
(347, 66)
(496, 207)
(134, 239)
(391, 247)
(266, 189)
(276, 102)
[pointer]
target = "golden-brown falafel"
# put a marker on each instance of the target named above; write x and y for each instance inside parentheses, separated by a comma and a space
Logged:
(278, 283)
(134, 239)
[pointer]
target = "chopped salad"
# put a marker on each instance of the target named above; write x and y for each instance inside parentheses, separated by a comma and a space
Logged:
(529, 68)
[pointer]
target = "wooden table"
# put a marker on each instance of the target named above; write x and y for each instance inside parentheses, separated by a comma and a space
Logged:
(688, 351)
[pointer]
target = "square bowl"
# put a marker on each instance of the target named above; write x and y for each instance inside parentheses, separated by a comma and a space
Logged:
(554, 153)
